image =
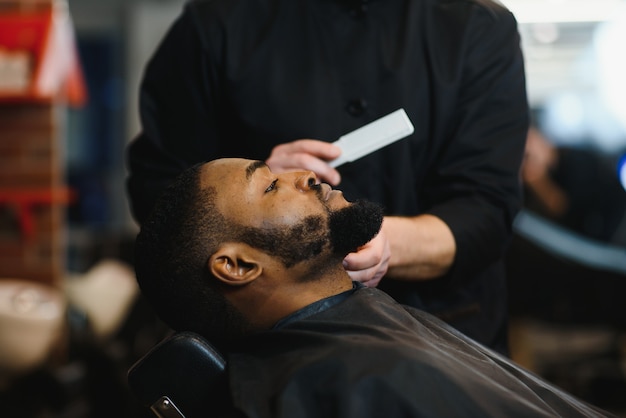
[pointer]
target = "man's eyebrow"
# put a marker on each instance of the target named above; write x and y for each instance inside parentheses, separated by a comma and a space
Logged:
(254, 166)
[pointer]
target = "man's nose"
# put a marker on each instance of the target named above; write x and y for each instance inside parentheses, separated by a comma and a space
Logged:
(306, 180)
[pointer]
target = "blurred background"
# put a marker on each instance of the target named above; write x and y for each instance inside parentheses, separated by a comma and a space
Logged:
(69, 75)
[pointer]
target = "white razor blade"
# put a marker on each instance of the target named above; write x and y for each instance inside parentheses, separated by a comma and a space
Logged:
(373, 136)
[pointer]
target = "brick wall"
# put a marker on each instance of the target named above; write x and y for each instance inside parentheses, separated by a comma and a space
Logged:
(31, 237)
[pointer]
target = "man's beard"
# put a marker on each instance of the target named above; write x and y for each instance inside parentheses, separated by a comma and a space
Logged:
(347, 229)
(354, 226)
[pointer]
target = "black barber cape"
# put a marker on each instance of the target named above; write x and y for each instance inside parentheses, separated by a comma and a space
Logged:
(364, 355)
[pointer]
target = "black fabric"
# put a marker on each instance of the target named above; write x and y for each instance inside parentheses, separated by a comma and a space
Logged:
(369, 356)
(234, 78)
(319, 306)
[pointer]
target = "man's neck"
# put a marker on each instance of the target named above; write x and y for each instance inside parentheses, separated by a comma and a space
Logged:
(317, 307)
(275, 298)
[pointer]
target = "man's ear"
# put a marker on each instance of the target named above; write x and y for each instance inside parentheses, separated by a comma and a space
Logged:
(235, 264)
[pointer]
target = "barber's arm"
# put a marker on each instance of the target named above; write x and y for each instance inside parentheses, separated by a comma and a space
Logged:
(407, 248)
(474, 187)
(422, 247)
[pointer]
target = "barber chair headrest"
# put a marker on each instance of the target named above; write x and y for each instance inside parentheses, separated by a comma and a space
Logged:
(182, 376)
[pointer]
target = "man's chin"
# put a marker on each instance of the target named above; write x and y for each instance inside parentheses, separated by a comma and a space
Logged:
(354, 226)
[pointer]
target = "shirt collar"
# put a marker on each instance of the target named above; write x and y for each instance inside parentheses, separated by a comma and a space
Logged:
(319, 306)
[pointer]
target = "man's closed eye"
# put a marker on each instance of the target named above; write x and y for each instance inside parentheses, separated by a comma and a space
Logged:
(272, 186)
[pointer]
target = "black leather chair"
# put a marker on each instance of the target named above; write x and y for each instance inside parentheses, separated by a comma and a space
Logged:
(183, 376)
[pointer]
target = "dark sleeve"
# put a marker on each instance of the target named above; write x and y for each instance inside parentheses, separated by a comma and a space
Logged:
(177, 111)
(476, 188)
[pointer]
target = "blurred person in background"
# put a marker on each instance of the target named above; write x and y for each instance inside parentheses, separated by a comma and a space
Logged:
(576, 187)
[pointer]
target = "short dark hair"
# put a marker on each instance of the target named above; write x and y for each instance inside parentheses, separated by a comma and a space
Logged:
(171, 254)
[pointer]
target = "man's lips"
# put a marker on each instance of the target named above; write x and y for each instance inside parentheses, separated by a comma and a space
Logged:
(328, 192)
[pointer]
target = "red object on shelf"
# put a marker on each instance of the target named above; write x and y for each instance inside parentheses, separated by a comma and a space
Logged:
(46, 36)
(25, 199)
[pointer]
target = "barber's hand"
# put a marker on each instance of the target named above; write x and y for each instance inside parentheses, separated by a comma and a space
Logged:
(370, 263)
(306, 154)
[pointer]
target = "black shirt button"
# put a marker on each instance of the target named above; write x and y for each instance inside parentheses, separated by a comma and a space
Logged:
(356, 107)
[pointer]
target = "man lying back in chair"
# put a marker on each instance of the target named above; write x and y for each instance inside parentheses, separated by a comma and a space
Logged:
(252, 260)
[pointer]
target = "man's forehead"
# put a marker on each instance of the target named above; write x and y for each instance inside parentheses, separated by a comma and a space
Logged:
(231, 179)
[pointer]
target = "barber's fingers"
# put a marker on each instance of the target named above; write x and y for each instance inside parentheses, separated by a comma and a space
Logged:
(306, 154)
(370, 263)
(369, 277)
(320, 149)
